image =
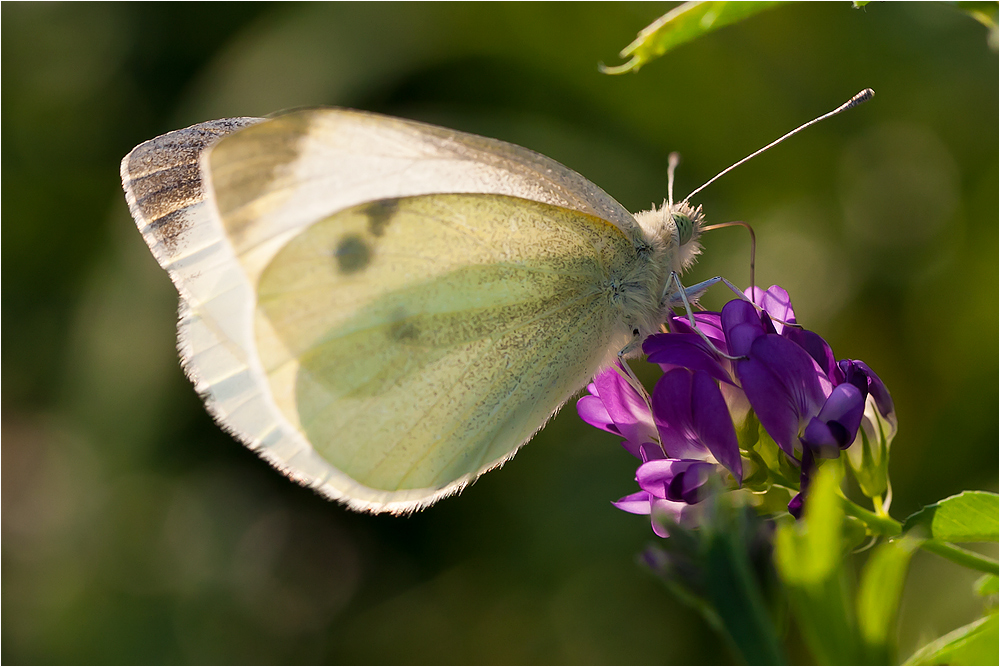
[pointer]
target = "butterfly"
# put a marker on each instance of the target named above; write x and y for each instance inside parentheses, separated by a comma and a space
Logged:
(385, 309)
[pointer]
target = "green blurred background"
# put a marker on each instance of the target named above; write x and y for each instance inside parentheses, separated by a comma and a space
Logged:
(134, 530)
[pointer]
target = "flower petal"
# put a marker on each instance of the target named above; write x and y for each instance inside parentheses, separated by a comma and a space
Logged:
(817, 348)
(686, 350)
(687, 486)
(742, 325)
(714, 424)
(634, 503)
(644, 451)
(672, 413)
(776, 302)
(708, 322)
(845, 407)
(795, 505)
(654, 476)
(633, 448)
(625, 407)
(821, 439)
(651, 451)
(876, 387)
(785, 387)
(592, 410)
(665, 509)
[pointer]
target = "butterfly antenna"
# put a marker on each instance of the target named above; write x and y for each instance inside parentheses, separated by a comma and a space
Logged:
(672, 161)
(860, 98)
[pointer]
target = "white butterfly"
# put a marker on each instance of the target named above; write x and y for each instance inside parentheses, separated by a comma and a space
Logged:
(384, 309)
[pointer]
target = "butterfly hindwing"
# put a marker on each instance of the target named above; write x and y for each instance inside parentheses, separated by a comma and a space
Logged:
(417, 342)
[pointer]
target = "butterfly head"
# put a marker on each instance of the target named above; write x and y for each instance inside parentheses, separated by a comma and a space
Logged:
(677, 227)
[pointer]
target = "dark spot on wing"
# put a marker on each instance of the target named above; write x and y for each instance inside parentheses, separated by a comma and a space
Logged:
(401, 329)
(352, 254)
(380, 214)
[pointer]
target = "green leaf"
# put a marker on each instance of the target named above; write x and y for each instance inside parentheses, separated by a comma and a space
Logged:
(809, 559)
(740, 603)
(723, 570)
(970, 516)
(988, 584)
(985, 13)
(855, 533)
(878, 597)
(681, 25)
(973, 644)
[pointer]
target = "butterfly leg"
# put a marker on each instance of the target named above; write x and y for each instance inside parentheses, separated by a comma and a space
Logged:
(695, 292)
(686, 295)
(626, 372)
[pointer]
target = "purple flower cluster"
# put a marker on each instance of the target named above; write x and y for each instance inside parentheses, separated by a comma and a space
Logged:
(807, 402)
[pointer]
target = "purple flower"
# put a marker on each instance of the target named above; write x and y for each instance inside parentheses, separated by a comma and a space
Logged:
(642, 502)
(614, 406)
(693, 420)
(689, 424)
(796, 401)
(811, 406)
(676, 480)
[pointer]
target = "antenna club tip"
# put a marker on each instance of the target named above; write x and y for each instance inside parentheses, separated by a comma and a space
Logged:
(861, 98)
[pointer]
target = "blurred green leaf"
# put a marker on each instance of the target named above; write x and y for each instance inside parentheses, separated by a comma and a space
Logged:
(972, 644)
(809, 560)
(855, 532)
(737, 594)
(970, 516)
(723, 569)
(985, 13)
(878, 597)
(988, 584)
(681, 25)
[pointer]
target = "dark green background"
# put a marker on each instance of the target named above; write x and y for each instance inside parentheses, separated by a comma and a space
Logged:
(134, 530)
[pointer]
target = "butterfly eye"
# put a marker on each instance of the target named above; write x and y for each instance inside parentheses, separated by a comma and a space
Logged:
(685, 227)
(635, 332)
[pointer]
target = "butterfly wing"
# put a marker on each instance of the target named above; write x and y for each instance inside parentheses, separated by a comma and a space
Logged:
(384, 345)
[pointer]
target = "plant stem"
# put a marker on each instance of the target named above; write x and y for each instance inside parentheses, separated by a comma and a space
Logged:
(889, 527)
(963, 557)
(880, 525)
